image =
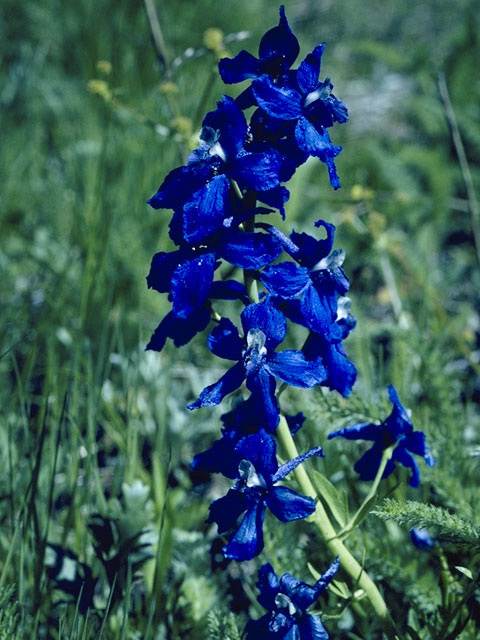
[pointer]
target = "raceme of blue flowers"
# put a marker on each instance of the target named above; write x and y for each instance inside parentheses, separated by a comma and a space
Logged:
(224, 202)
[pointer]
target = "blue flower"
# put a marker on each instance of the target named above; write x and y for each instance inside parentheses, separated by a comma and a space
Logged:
(264, 328)
(287, 601)
(422, 539)
(277, 51)
(308, 105)
(311, 287)
(182, 329)
(201, 190)
(243, 420)
(254, 492)
(396, 430)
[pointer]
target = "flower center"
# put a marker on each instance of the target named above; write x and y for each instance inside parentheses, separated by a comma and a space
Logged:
(283, 602)
(333, 261)
(211, 138)
(321, 93)
(255, 351)
(250, 475)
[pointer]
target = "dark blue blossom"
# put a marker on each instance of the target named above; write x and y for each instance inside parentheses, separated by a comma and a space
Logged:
(422, 539)
(243, 420)
(308, 105)
(287, 601)
(396, 430)
(254, 492)
(311, 287)
(277, 51)
(201, 190)
(264, 328)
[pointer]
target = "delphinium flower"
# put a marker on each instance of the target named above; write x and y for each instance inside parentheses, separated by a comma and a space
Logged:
(255, 491)
(422, 539)
(287, 601)
(264, 328)
(309, 292)
(397, 431)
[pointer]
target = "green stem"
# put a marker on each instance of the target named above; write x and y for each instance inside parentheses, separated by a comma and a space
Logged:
(336, 546)
(366, 504)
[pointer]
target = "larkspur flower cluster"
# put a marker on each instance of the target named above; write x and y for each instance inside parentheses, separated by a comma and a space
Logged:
(231, 181)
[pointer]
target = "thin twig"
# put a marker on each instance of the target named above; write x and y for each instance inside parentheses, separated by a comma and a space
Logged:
(462, 159)
(157, 35)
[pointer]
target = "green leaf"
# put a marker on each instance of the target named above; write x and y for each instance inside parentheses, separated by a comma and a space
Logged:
(465, 571)
(336, 500)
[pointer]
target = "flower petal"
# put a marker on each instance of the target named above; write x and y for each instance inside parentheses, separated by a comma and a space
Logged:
(262, 386)
(311, 628)
(229, 124)
(291, 367)
(309, 70)
(224, 340)
(204, 212)
(214, 393)
(249, 250)
(367, 466)
(260, 449)
(286, 279)
(407, 460)
(267, 318)
(416, 442)
(327, 577)
(226, 511)
(279, 47)
(258, 171)
(302, 594)
(288, 505)
(248, 540)
(191, 282)
(363, 431)
(243, 66)
(268, 586)
(341, 373)
(221, 457)
(315, 142)
(279, 102)
(289, 466)
(161, 270)
(228, 290)
(179, 330)
(275, 198)
(180, 184)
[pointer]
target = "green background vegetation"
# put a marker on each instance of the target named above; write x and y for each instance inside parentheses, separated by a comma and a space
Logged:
(91, 424)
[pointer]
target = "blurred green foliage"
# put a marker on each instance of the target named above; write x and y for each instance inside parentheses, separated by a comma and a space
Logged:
(92, 119)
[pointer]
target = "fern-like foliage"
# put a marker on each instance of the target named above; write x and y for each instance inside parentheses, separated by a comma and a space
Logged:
(223, 626)
(8, 614)
(445, 525)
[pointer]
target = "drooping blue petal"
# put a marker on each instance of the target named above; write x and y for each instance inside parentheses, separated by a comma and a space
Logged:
(291, 367)
(306, 249)
(285, 280)
(311, 628)
(341, 372)
(367, 466)
(295, 422)
(179, 330)
(243, 66)
(191, 282)
(268, 586)
(323, 582)
(324, 246)
(398, 422)
(300, 593)
(267, 318)
(315, 142)
(260, 449)
(318, 315)
(279, 47)
(179, 185)
(289, 466)
(309, 70)
(287, 505)
(226, 511)
(224, 340)
(258, 171)
(407, 460)
(262, 387)
(332, 174)
(249, 250)
(363, 431)
(214, 393)
(228, 290)
(416, 442)
(276, 197)
(228, 126)
(221, 457)
(248, 540)
(161, 270)
(279, 102)
(204, 212)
